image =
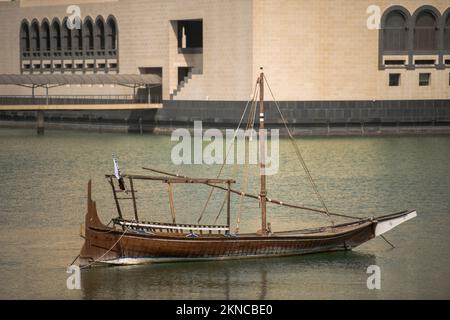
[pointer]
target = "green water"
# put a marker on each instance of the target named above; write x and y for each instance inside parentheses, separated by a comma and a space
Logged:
(43, 198)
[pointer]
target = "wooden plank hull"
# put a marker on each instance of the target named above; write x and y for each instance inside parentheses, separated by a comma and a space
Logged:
(107, 245)
(136, 248)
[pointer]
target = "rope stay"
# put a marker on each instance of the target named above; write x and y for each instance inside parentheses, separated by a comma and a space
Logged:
(171, 202)
(101, 257)
(256, 197)
(250, 127)
(228, 151)
(299, 155)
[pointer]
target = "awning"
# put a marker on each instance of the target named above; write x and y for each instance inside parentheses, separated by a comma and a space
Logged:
(79, 79)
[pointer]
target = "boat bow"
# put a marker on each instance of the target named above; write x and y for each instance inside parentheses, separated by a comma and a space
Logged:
(389, 222)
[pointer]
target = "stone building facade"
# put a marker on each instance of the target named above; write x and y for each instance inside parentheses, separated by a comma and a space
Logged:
(325, 60)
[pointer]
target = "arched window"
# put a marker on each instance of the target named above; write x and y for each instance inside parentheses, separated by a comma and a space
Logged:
(35, 44)
(77, 41)
(89, 34)
(66, 36)
(100, 34)
(426, 33)
(56, 35)
(24, 36)
(447, 33)
(45, 34)
(395, 32)
(111, 34)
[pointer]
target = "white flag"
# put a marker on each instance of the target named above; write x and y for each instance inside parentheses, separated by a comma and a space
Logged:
(118, 175)
(116, 168)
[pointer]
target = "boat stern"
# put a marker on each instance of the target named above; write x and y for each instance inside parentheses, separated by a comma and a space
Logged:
(97, 236)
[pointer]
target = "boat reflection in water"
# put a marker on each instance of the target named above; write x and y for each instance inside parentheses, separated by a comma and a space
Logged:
(272, 278)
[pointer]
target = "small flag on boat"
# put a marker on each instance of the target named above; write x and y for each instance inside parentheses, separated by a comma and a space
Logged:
(117, 174)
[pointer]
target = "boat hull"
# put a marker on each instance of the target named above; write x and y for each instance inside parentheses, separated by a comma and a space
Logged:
(104, 246)
(110, 245)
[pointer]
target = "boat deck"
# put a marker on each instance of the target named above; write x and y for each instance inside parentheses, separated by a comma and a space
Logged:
(221, 232)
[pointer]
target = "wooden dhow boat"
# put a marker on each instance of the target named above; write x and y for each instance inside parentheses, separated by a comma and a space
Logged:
(132, 241)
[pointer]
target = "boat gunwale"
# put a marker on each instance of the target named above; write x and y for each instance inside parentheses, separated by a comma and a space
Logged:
(242, 237)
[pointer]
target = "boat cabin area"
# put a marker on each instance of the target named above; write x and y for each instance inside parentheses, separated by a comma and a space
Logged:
(121, 192)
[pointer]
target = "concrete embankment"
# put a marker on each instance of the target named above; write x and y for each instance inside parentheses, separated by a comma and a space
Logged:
(306, 130)
(313, 118)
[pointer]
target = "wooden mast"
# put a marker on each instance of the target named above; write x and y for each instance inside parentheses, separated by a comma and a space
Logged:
(262, 155)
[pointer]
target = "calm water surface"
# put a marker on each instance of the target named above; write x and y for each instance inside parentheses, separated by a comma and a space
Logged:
(43, 200)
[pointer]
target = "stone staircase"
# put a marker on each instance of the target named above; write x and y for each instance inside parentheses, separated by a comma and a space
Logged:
(181, 85)
(193, 76)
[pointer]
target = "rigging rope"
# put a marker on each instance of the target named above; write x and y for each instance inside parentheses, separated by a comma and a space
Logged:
(299, 155)
(171, 202)
(221, 208)
(256, 197)
(228, 152)
(97, 260)
(250, 125)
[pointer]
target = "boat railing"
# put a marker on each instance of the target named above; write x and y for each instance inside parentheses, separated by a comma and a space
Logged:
(171, 227)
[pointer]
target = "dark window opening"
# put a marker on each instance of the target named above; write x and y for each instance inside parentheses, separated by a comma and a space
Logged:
(45, 31)
(78, 39)
(447, 61)
(394, 79)
(35, 40)
(150, 94)
(426, 32)
(56, 36)
(394, 62)
(100, 35)
(395, 33)
(425, 62)
(66, 36)
(89, 34)
(447, 34)
(424, 79)
(151, 70)
(25, 37)
(111, 34)
(190, 35)
(183, 72)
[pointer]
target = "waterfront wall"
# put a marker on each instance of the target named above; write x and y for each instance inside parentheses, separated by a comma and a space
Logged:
(311, 112)
(305, 117)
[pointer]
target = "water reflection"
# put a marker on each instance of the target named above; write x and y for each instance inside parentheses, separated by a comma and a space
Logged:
(240, 279)
(45, 186)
